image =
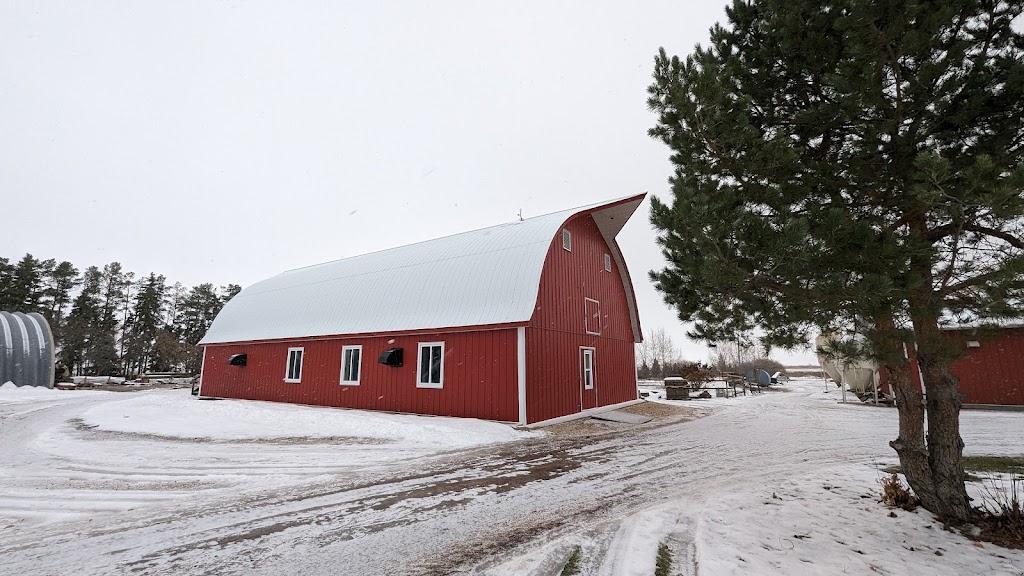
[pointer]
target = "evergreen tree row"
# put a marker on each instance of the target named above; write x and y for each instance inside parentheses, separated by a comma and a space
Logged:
(105, 321)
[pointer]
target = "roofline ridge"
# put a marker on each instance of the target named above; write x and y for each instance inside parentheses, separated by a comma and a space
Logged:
(573, 211)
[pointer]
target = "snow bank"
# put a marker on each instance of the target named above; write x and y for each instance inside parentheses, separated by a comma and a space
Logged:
(830, 522)
(177, 413)
(10, 393)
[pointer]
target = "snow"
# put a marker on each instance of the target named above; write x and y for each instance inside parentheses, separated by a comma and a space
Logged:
(830, 522)
(159, 482)
(176, 413)
(10, 393)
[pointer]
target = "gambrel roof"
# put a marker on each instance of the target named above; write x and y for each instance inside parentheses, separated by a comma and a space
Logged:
(484, 277)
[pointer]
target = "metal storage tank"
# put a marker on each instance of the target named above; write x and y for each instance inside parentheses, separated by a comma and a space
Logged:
(26, 350)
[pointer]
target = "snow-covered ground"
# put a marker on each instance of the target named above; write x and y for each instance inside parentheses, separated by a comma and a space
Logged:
(175, 413)
(157, 482)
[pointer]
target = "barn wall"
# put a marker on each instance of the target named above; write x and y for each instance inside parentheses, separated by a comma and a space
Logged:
(558, 330)
(993, 373)
(480, 379)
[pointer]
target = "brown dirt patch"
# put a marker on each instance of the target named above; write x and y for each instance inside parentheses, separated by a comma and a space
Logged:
(658, 410)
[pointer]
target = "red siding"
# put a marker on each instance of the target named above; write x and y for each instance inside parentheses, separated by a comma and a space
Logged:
(480, 378)
(558, 329)
(993, 373)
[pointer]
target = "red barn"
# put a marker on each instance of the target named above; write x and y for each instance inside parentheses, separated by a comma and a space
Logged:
(520, 322)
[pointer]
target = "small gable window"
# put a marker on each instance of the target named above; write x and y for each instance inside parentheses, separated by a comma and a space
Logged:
(566, 240)
(607, 263)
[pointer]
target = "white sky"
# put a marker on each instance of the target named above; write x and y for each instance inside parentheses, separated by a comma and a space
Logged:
(227, 142)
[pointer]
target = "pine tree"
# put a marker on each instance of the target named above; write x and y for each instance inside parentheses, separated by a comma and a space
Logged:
(175, 299)
(228, 292)
(25, 292)
(199, 308)
(6, 284)
(146, 320)
(82, 321)
(60, 281)
(851, 163)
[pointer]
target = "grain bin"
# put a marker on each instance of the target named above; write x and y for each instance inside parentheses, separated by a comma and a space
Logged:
(26, 350)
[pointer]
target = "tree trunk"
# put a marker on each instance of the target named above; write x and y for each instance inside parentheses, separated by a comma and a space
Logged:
(945, 446)
(910, 445)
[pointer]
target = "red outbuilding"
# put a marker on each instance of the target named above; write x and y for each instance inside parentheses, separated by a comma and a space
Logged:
(521, 322)
(991, 370)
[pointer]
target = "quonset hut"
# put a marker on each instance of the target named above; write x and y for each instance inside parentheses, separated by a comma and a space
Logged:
(521, 322)
(26, 350)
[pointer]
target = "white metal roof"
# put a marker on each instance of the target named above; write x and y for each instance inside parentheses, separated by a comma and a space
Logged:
(484, 277)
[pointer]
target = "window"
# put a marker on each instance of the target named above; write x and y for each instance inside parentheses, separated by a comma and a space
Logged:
(566, 240)
(294, 371)
(351, 358)
(607, 263)
(592, 322)
(430, 370)
(587, 368)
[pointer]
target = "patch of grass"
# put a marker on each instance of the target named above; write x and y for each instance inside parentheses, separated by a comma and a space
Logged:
(981, 464)
(1001, 464)
(572, 565)
(663, 566)
(967, 476)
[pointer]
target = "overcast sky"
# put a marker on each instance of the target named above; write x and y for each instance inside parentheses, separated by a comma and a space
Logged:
(227, 142)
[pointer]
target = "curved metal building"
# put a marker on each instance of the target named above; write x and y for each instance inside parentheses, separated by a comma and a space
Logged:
(26, 350)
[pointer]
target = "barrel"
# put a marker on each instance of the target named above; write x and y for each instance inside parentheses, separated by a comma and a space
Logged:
(26, 350)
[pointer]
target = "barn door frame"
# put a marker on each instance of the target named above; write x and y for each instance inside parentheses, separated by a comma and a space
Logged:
(585, 353)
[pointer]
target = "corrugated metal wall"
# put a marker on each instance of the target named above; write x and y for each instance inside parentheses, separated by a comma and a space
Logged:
(26, 350)
(992, 373)
(479, 375)
(558, 329)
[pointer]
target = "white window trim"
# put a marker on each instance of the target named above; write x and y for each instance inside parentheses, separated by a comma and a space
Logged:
(288, 361)
(586, 317)
(566, 240)
(419, 365)
(359, 365)
(593, 367)
(607, 262)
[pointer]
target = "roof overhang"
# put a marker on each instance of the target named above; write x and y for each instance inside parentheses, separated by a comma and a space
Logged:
(610, 218)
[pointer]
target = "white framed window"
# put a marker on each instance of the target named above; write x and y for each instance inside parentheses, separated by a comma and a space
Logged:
(566, 240)
(607, 263)
(293, 372)
(592, 320)
(587, 367)
(430, 365)
(351, 364)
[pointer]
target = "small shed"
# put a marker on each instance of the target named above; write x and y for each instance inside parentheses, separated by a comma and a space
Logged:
(26, 350)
